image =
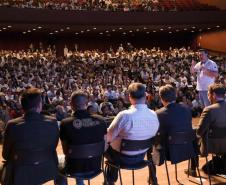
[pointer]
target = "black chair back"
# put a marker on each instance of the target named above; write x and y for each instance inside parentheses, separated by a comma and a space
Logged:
(181, 137)
(135, 145)
(86, 151)
(32, 157)
(217, 132)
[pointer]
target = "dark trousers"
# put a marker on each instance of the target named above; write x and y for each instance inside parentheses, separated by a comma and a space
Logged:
(152, 169)
(116, 158)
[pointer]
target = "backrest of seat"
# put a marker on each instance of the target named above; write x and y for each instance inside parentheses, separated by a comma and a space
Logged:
(216, 140)
(86, 151)
(29, 157)
(180, 146)
(217, 132)
(181, 137)
(135, 145)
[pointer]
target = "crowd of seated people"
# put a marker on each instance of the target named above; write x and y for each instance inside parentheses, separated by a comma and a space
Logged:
(109, 5)
(105, 80)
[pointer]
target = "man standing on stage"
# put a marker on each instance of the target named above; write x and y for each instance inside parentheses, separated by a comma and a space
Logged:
(207, 71)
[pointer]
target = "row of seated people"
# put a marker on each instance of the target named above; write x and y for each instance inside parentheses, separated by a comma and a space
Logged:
(30, 141)
(110, 5)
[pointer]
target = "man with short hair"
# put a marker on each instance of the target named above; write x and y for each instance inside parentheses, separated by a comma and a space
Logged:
(136, 123)
(173, 117)
(30, 143)
(81, 128)
(213, 116)
(207, 71)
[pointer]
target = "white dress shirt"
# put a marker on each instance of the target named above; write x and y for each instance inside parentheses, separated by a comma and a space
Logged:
(136, 123)
(203, 81)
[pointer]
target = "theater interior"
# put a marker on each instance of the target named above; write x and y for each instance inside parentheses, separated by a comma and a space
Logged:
(173, 23)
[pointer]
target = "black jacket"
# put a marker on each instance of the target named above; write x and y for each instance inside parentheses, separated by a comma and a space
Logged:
(33, 134)
(175, 118)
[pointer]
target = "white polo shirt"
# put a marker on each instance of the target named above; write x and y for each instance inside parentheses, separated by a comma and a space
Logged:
(203, 81)
(136, 123)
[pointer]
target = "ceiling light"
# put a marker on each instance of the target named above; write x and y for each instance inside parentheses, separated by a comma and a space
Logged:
(192, 31)
(0, 30)
(130, 31)
(28, 31)
(170, 32)
(145, 28)
(177, 30)
(68, 28)
(185, 29)
(88, 30)
(113, 30)
(169, 27)
(82, 31)
(94, 28)
(154, 31)
(56, 31)
(61, 29)
(101, 33)
(218, 26)
(106, 31)
(76, 33)
(161, 29)
(39, 27)
(24, 32)
(147, 32)
(137, 30)
(9, 26)
(124, 33)
(120, 28)
(200, 29)
(208, 28)
(4, 28)
(193, 27)
(34, 29)
(51, 33)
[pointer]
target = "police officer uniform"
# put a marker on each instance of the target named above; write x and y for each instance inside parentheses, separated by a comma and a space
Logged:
(82, 128)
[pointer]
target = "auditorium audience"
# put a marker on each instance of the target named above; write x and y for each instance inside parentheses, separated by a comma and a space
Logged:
(107, 5)
(105, 81)
(58, 77)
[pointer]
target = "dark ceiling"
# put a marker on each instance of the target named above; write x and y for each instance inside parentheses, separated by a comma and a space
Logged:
(61, 23)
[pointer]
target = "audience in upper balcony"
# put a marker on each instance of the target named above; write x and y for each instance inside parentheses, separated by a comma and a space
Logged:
(108, 5)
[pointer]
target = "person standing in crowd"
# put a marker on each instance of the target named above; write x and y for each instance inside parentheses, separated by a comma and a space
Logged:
(207, 71)
(30, 143)
(80, 128)
(136, 123)
(173, 117)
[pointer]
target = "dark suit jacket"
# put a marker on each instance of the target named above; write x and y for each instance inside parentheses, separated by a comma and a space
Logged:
(175, 118)
(212, 116)
(32, 132)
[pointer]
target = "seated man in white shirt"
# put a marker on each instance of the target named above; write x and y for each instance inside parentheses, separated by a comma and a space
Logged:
(136, 123)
